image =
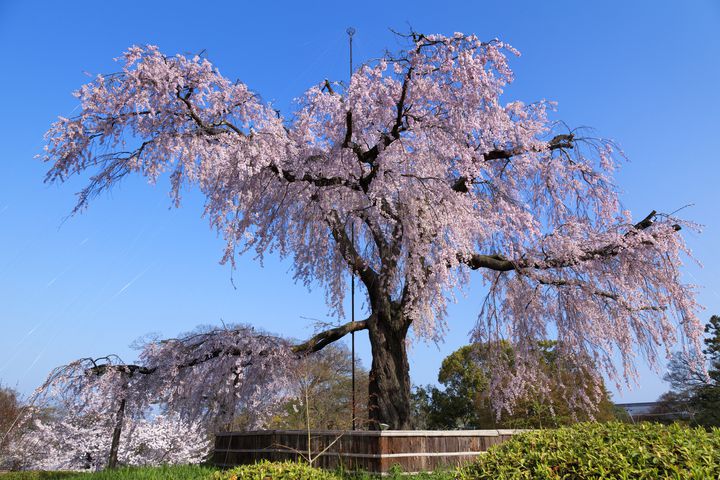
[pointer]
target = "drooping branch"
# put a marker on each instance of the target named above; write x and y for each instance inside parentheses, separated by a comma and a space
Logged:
(398, 126)
(132, 369)
(208, 129)
(128, 369)
(557, 142)
(596, 291)
(354, 260)
(501, 263)
(326, 337)
(290, 177)
(314, 344)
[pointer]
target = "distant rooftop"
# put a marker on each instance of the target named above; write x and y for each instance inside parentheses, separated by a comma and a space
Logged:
(651, 411)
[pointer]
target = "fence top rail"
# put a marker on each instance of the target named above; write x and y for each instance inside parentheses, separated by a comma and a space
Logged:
(379, 433)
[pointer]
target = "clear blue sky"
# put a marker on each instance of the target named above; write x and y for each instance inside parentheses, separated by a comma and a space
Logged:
(645, 74)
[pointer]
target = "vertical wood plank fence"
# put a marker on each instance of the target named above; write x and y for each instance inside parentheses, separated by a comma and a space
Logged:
(372, 451)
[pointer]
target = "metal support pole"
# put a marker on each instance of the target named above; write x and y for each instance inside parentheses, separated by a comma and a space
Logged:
(351, 31)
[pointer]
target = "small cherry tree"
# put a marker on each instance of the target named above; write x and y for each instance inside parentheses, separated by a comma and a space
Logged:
(106, 411)
(415, 178)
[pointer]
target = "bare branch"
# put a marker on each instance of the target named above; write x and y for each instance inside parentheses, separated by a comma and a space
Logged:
(323, 339)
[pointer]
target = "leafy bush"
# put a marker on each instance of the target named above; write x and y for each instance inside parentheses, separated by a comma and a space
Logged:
(604, 451)
(276, 471)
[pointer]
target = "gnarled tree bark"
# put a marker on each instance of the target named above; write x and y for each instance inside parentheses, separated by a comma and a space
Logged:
(389, 388)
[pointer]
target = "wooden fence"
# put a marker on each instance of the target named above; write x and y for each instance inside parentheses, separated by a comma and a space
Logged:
(372, 451)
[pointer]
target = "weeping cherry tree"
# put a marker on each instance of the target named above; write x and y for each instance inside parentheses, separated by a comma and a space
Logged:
(415, 178)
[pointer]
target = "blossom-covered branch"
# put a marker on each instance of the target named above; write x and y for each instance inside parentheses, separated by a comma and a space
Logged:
(629, 240)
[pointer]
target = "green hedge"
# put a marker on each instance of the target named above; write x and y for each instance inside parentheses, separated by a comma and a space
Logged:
(604, 451)
(276, 471)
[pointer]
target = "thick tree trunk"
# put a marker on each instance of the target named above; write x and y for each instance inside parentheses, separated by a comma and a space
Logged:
(389, 389)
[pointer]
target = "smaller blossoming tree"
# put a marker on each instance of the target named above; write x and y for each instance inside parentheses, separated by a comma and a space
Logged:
(107, 412)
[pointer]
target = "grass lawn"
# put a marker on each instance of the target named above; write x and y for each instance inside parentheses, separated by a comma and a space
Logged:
(185, 472)
(193, 472)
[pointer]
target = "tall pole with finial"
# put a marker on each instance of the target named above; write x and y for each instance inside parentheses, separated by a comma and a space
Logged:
(351, 31)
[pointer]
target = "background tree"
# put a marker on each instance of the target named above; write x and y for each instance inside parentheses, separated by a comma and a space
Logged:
(17, 418)
(410, 177)
(464, 402)
(327, 380)
(706, 401)
(695, 382)
(670, 407)
(10, 409)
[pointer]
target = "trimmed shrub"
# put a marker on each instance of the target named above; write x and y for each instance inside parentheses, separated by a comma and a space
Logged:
(265, 470)
(603, 451)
